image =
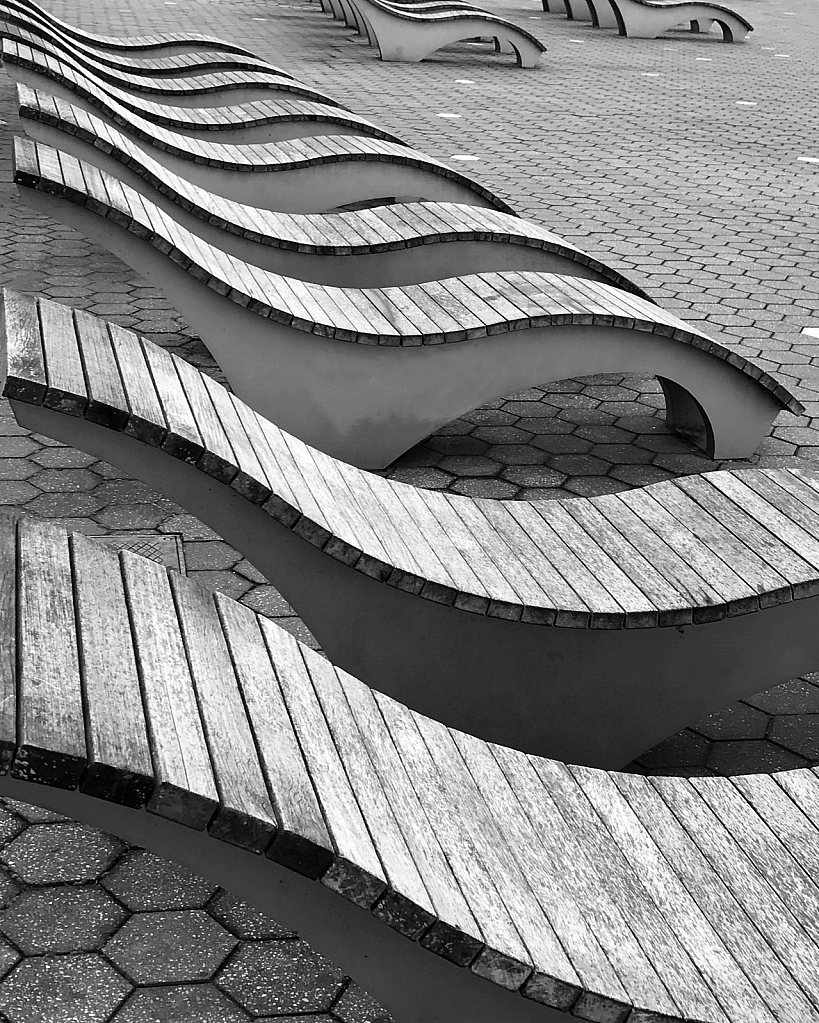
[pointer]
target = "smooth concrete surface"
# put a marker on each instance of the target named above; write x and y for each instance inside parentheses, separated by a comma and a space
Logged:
(416, 985)
(366, 404)
(590, 696)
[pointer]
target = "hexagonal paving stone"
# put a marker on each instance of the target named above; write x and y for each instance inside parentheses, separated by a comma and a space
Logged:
(62, 989)
(31, 813)
(131, 516)
(63, 458)
(243, 920)
(752, 756)
(686, 749)
(17, 492)
(170, 947)
(798, 733)
(280, 977)
(58, 506)
(49, 853)
(210, 554)
(61, 919)
(64, 480)
(17, 468)
(736, 722)
(143, 881)
(356, 1006)
(18, 447)
(184, 1003)
(796, 696)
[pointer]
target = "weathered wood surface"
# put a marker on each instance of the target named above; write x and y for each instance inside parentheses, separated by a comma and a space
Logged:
(608, 896)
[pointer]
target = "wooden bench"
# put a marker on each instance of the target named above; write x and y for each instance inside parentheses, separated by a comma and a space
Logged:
(329, 364)
(402, 34)
(265, 121)
(191, 89)
(585, 629)
(647, 19)
(402, 849)
(155, 51)
(406, 243)
(306, 175)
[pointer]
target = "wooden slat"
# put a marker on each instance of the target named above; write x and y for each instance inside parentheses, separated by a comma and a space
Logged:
(761, 902)
(107, 404)
(217, 459)
(184, 790)
(745, 943)
(406, 905)
(146, 420)
(302, 841)
(51, 739)
(729, 987)
(245, 816)
(356, 872)
(505, 959)
(66, 381)
(455, 935)
(119, 754)
(8, 639)
(554, 975)
(571, 866)
(617, 880)
(183, 440)
(25, 356)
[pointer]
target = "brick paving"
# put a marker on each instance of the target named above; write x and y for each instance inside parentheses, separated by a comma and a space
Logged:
(690, 165)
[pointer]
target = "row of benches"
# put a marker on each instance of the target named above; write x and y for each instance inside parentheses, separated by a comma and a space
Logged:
(647, 19)
(411, 31)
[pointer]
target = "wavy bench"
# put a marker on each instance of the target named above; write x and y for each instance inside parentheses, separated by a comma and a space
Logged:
(584, 629)
(185, 723)
(270, 120)
(406, 243)
(162, 53)
(401, 34)
(365, 374)
(647, 19)
(306, 175)
(202, 89)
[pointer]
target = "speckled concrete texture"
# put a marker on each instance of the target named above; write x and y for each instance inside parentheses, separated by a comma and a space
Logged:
(690, 165)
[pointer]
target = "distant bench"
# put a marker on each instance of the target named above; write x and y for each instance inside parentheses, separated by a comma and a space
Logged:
(270, 120)
(586, 629)
(365, 374)
(197, 89)
(405, 243)
(404, 34)
(647, 19)
(179, 51)
(186, 723)
(306, 175)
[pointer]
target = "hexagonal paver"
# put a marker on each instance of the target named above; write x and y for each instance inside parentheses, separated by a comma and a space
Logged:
(183, 1003)
(65, 480)
(143, 881)
(63, 458)
(356, 1006)
(129, 516)
(49, 853)
(61, 919)
(210, 554)
(170, 947)
(736, 722)
(280, 977)
(31, 813)
(686, 749)
(62, 989)
(797, 696)
(798, 733)
(243, 920)
(752, 756)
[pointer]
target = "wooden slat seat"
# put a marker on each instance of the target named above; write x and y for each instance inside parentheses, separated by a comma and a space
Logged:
(303, 175)
(406, 243)
(137, 701)
(197, 89)
(412, 358)
(402, 34)
(154, 48)
(648, 19)
(588, 629)
(263, 121)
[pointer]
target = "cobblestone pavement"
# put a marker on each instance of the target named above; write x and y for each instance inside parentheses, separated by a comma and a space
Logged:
(690, 165)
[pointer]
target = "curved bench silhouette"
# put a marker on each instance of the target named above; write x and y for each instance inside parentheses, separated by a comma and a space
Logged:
(388, 245)
(196, 89)
(262, 122)
(406, 35)
(365, 374)
(184, 722)
(647, 19)
(306, 175)
(157, 52)
(585, 629)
